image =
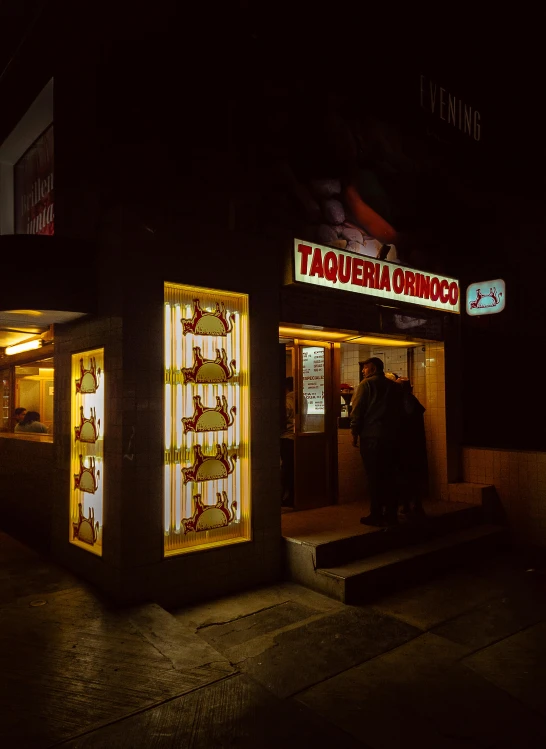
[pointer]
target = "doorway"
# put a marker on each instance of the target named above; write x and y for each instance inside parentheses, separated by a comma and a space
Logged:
(326, 367)
(310, 367)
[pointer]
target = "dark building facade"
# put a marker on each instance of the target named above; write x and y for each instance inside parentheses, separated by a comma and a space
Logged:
(153, 181)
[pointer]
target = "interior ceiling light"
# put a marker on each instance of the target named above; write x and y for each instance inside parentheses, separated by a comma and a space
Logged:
(25, 312)
(338, 336)
(376, 341)
(318, 335)
(25, 346)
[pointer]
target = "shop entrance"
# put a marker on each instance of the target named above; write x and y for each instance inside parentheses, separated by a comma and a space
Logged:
(326, 367)
(309, 368)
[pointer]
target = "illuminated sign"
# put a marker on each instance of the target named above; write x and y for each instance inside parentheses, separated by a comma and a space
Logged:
(486, 297)
(207, 419)
(87, 452)
(348, 271)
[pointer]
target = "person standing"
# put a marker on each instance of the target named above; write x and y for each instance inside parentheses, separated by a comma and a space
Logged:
(375, 421)
(413, 463)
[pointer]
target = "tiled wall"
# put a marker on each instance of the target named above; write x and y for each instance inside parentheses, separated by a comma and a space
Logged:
(395, 360)
(428, 380)
(350, 356)
(519, 477)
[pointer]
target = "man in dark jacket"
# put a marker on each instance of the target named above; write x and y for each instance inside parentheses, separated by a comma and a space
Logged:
(375, 420)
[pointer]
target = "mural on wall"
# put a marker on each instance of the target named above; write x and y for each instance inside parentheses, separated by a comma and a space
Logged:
(87, 450)
(207, 456)
(330, 170)
(357, 162)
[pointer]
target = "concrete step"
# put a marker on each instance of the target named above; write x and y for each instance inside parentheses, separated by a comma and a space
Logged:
(357, 545)
(364, 579)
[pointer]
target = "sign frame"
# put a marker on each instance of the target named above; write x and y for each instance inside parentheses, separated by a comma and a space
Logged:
(477, 304)
(329, 267)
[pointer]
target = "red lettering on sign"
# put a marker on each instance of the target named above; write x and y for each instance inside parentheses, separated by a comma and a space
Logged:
(344, 273)
(304, 251)
(376, 276)
(454, 293)
(385, 284)
(358, 269)
(409, 283)
(444, 292)
(424, 291)
(316, 264)
(330, 266)
(434, 289)
(368, 274)
(398, 280)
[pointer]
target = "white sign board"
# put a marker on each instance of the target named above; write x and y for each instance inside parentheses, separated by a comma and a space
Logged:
(349, 271)
(313, 378)
(486, 297)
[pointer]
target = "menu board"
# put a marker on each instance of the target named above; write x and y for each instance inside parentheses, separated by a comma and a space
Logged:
(313, 378)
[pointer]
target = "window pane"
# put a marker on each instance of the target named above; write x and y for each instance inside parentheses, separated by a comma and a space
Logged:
(34, 391)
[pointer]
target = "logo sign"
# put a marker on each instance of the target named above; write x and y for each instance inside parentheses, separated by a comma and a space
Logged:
(349, 271)
(486, 297)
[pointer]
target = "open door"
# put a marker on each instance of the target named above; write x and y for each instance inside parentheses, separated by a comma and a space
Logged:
(315, 449)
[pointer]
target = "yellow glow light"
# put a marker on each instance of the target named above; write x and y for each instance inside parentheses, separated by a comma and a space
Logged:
(376, 341)
(223, 498)
(25, 346)
(87, 455)
(313, 334)
(339, 336)
(26, 312)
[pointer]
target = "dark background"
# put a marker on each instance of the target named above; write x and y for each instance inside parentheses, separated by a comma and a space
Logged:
(190, 104)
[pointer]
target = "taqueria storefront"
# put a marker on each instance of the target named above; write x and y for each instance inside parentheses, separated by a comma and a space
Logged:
(167, 415)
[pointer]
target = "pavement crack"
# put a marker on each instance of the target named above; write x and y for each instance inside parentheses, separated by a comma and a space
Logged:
(149, 638)
(241, 616)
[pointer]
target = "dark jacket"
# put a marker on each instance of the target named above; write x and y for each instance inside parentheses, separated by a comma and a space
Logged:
(377, 408)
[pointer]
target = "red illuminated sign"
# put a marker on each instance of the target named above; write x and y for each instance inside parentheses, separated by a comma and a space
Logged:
(338, 269)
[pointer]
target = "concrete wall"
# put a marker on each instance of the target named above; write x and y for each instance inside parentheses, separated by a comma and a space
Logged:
(519, 477)
(26, 488)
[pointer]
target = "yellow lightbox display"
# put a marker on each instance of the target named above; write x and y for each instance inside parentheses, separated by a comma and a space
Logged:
(207, 418)
(86, 452)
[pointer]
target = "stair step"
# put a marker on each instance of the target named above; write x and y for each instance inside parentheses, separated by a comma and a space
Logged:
(339, 551)
(361, 579)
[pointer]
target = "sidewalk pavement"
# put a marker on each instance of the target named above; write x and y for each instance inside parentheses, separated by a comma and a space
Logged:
(456, 662)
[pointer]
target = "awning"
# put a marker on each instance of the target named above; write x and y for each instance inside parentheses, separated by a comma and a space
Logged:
(45, 280)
